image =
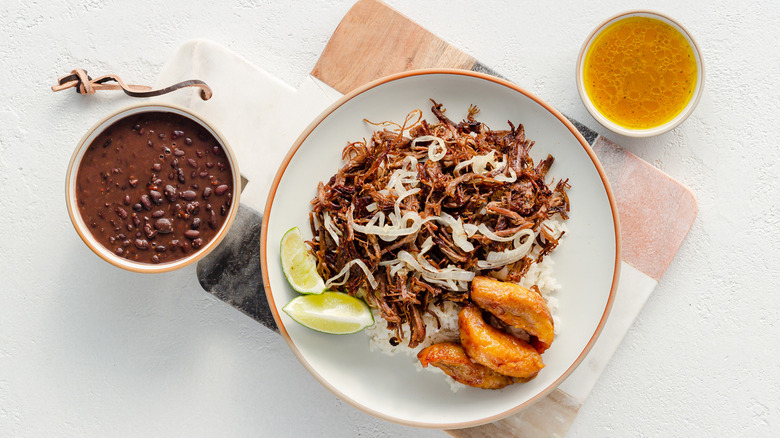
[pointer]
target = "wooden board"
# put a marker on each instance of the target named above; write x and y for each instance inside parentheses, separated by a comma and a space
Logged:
(357, 53)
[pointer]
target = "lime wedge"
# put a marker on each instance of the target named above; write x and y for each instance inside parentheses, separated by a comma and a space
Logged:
(300, 267)
(331, 312)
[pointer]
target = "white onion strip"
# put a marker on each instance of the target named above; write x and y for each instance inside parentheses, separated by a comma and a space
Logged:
(345, 273)
(497, 259)
(433, 154)
(331, 228)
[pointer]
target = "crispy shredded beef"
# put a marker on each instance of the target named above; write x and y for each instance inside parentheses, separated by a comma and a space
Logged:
(504, 207)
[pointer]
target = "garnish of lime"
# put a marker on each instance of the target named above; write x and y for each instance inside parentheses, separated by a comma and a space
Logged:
(300, 267)
(331, 312)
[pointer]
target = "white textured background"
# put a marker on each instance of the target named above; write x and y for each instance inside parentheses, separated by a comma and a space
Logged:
(89, 350)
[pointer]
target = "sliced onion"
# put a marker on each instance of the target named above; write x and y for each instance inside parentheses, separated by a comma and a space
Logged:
(331, 228)
(345, 273)
(448, 273)
(376, 225)
(497, 259)
(433, 154)
(470, 229)
(510, 179)
(496, 238)
(459, 235)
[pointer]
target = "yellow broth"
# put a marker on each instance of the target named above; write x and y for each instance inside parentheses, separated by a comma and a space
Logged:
(640, 72)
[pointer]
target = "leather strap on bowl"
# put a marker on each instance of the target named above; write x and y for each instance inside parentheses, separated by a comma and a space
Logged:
(84, 84)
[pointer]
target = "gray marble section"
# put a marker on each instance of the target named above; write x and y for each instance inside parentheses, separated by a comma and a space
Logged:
(482, 68)
(589, 134)
(232, 272)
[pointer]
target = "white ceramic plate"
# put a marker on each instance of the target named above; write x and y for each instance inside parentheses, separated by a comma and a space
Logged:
(586, 264)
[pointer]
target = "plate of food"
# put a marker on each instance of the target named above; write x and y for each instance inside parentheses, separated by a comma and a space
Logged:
(469, 234)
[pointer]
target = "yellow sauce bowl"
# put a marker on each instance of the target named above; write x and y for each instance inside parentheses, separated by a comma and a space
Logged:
(629, 93)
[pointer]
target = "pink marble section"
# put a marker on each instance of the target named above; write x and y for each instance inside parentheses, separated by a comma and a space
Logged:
(656, 212)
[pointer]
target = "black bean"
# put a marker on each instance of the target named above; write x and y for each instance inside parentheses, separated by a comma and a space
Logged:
(197, 243)
(188, 195)
(206, 192)
(195, 224)
(178, 152)
(121, 236)
(146, 202)
(136, 220)
(223, 210)
(150, 144)
(192, 162)
(175, 163)
(155, 259)
(141, 244)
(163, 225)
(188, 141)
(156, 196)
(126, 243)
(221, 189)
(161, 135)
(209, 164)
(136, 127)
(216, 150)
(177, 134)
(170, 192)
(149, 231)
(180, 174)
(213, 220)
(199, 153)
(156, 167)
(119, 251)
(191, 234)
(121, 212)
(160, 248)
(193, 208)
(181, 213)
(195, 187)
(158, 213)
(203, 173)
(208, 207)
(138, 207)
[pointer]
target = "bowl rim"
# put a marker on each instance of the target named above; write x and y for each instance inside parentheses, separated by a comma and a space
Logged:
(71, 199)
(647, 132)
(264, 247)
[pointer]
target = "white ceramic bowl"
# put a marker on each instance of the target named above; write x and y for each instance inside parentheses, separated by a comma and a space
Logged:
(83, 230)
(587, 264)
(614, 127)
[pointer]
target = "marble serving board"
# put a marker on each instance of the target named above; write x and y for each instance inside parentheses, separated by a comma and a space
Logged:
(279, 113)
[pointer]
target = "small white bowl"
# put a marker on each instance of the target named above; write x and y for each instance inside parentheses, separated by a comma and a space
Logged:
(83, 230)
(649, 132)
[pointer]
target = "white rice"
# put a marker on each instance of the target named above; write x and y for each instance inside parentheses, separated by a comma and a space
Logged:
(539, 274)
